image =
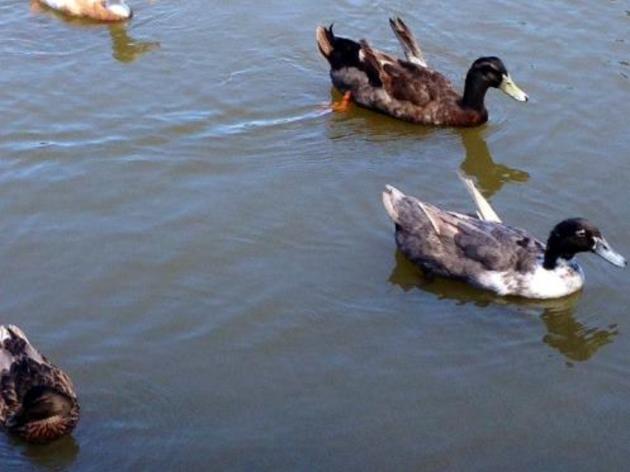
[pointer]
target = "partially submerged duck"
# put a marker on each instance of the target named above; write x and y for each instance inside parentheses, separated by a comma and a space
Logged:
(37, 399)
(488, 254)
(100, 10)
(408, 88)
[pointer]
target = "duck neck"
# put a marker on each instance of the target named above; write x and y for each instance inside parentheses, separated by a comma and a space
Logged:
(551, 261)
(552, 257)
(475, 92)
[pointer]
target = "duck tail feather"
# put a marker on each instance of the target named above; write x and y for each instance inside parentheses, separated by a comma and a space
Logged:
(391, 197)
(403, 210)
(407, 40)
(325, 40)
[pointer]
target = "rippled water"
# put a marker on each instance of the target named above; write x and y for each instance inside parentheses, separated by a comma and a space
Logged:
(203, 248)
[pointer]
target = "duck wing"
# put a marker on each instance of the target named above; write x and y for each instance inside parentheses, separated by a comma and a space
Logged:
(485, 211)
(410, 45)
(406, 81)
(457, 245)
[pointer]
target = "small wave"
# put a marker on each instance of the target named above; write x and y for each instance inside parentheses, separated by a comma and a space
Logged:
(246, 126)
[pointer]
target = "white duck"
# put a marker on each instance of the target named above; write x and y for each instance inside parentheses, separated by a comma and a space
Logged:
(100, 10)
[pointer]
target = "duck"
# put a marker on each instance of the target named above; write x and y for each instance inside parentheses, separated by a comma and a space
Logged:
(483, 251)
(99, 10)
(409, 89)
(38, 402)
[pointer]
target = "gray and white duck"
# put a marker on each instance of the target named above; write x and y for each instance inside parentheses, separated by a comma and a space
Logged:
(37, 399)
(488, 254)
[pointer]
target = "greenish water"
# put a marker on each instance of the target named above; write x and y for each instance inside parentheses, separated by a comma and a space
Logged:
(204, 249)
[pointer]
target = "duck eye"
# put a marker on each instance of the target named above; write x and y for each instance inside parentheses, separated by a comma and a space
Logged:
(580, 233)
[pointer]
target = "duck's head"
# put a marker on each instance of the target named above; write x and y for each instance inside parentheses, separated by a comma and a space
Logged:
(116, 10)
(46, 414)
(488, 72)
(575, 235)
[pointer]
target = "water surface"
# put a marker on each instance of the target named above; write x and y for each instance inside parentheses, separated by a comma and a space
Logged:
(203, 247)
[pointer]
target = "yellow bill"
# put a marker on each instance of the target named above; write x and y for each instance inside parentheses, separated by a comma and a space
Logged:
(508, 86)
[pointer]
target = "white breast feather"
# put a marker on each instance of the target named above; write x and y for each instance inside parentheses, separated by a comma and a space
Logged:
(565, 279)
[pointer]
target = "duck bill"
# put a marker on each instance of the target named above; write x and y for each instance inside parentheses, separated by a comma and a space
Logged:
(508, 87)
(603, 250)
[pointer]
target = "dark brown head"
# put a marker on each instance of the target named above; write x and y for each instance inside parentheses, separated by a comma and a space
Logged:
(46, 414)
(576, 235)
(488, 72)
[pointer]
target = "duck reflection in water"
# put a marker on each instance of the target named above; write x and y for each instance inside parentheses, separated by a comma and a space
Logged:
(479, 164)
(576, 341)
(565, 334)
(124, 48)
(57, 455)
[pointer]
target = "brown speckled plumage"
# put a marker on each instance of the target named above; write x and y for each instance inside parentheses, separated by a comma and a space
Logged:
(37, 399)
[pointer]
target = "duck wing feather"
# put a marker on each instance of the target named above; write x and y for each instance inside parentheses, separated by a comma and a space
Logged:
(407, 40)
(406, 81)
(455, 244)
(484, 209)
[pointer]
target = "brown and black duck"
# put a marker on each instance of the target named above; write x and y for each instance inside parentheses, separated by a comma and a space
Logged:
(409, 89)
(37, 399)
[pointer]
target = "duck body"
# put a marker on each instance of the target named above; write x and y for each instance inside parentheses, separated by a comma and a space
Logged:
(99, 10)
(418, 95)
(409, 89)
(488, 254)
(37, 399)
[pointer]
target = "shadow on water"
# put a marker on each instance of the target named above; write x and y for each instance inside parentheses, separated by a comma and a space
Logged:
(479, 164)
(572, 338)
(124, 47)
(58, 455)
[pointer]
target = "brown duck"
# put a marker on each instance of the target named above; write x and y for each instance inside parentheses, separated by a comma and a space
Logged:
(37, 399)
(408, 88)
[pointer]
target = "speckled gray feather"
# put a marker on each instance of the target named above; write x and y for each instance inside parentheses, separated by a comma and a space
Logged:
(465, 246)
